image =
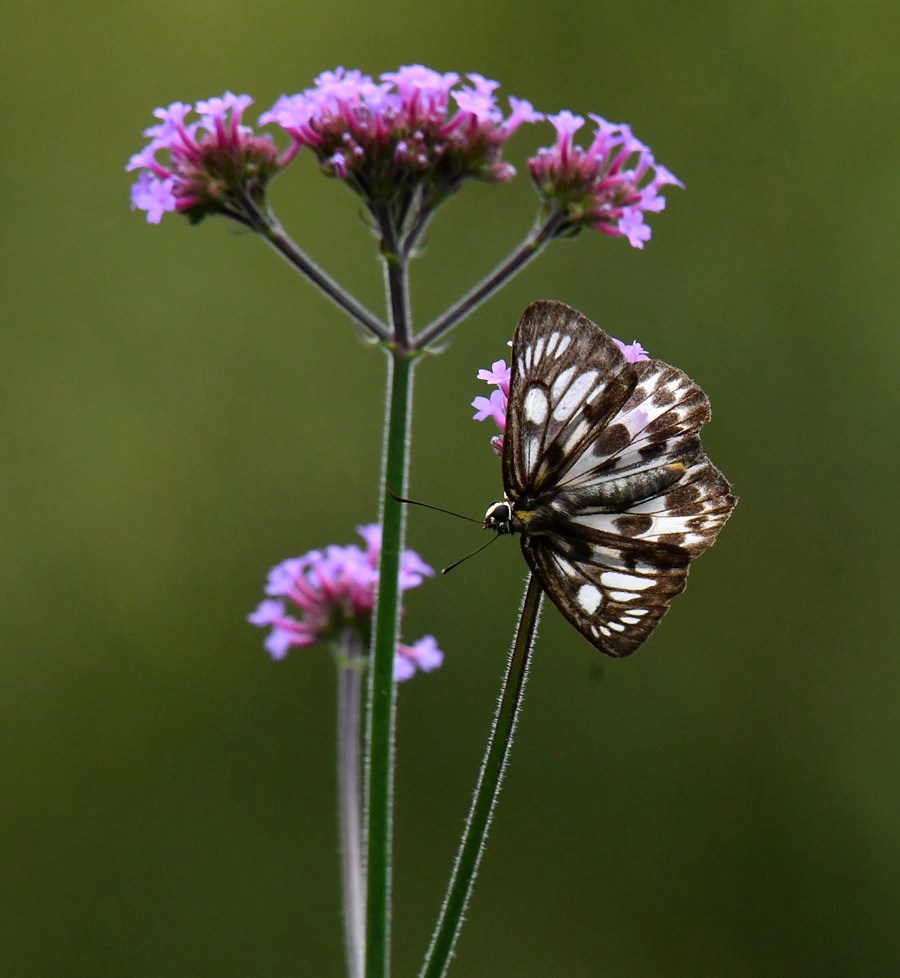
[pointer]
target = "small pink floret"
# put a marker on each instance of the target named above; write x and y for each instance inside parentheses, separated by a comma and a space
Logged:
(424, 655)
(633, 352)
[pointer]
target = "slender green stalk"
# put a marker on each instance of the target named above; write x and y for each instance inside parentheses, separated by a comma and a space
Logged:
(471, 847)
(350, 673)
(381, 702)
(539, 237)
(270, 228)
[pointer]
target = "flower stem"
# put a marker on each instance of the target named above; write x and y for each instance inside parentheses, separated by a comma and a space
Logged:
(531, 247)
(493, 766)
(350, 672)
(270, 228)
(381, 700)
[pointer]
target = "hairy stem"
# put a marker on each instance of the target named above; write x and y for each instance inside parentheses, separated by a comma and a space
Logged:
(471, 847)
(350, 672)
(380, 712)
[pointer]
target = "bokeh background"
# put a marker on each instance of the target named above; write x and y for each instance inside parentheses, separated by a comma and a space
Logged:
(180, 411)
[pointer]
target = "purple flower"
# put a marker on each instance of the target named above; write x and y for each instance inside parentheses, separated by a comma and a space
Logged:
(208, 166)
(424, 655)
(634, 352)
(492, 407)
(334, 590)
(497, 404)
(498, 375)
(608, 186)
(415, 130)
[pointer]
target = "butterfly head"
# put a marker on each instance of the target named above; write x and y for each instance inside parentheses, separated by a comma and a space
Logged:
(499, 517)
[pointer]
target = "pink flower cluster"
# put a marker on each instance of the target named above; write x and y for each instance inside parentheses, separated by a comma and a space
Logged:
(498, 376)
(608, 186)
(414, 126)
(208, 163)
(334, 589)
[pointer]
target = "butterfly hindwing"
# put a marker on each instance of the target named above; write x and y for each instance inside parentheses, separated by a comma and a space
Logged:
(614, 591)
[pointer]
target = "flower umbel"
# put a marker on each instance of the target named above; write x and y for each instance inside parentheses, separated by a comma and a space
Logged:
(608, 186)
(212, 165)
(498, 376)
(415, 133)
(334, 589)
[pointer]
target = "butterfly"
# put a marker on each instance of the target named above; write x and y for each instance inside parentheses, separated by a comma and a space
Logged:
(604, 476)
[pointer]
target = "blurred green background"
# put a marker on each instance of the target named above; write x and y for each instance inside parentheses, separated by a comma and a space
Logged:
(180, 411)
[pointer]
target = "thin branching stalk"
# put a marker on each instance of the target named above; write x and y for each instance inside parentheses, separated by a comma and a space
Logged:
(270, 228)
(530, 248)
(350, 673)
(471, 847)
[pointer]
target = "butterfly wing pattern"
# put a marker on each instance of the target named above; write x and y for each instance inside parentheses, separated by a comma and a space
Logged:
(605, 476)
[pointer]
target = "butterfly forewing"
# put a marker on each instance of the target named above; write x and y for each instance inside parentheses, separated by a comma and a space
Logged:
(603, 465)
(568, 378)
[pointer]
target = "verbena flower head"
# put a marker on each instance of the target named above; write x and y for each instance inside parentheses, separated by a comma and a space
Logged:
(334, 590)
(498, 376)
(207, 165)
(413, 131)
(609, 186)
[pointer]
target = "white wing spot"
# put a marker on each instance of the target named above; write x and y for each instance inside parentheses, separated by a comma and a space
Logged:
(539, 349)
(536, 405)
(589, 597)
(605, 630)
(629, 581)
(575, 395)
(563, 344)
(617, 626)
(575, 437)
(530, 447)
(551, 343)
(562, 382)
(629, 619)
(623, 596)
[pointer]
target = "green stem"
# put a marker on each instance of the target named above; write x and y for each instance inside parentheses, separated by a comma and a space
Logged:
(350, 673)
(381, 702)
(471, 847)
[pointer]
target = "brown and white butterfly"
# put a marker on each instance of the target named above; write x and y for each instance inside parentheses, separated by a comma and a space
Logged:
(604, 476)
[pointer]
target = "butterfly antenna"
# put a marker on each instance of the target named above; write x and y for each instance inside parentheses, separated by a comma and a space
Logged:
(446, 570)
(415, 502)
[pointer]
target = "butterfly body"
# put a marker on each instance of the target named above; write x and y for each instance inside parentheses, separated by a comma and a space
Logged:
(604, 476)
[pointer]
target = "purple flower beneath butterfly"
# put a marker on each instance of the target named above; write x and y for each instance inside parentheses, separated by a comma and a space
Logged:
(333, 590)
(208, 165)
(498, 376)
(609, 186)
